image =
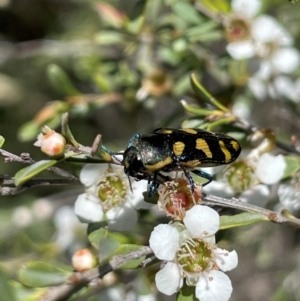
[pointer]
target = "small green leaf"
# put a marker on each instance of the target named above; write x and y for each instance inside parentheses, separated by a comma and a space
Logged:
(187, 12)
(40, 274)
(96, 236)
(128, 248)
(66, 131)
(60, 81)
(6, 290)
(24, 293)
(152, 10)
(194, 109)
(134, 26)
(31, 171)
(217, 7)
(292, 165)
(2, 140)
(107, 248)
(195, 32)
(108, 37)
(29, 131)
(202, 92)
(239, 220)
(187, 293)
(106, 242)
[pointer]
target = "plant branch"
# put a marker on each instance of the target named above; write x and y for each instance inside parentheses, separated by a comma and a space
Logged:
(275, 217)
(26, 159)
(79, 280)
(7, 185)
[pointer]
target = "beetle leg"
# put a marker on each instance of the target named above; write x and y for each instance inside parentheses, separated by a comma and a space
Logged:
(190, 179)
(204, 175)
(152, 184)
(186, 173)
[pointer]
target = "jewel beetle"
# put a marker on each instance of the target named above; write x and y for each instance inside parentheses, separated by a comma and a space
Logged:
(167, 149)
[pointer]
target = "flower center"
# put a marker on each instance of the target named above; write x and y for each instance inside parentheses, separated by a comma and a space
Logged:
(194, 256)
(237, 30)
(239, 176)
(112, 191)
(176, 197)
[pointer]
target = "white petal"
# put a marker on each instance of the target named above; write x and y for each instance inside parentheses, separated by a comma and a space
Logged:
(122, 218)
(88, 209)
(164, 241)
(202, 221)
(270, 169)
(241, 50)
(225, 260)
(246, 7)
(266, 29)
(242, 108)
(220, 189)
(285, 87)
(65, 217)
(92, 173)
(136, 198)
(213, 286)
(258, 88)
(258, 195)
(168, 280)
(289, 198)
(286, 60)
(265, 70)
(297, 89)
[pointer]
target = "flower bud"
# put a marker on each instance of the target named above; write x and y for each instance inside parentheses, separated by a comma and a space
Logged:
(83, 260)
(240, 176)
(51, 143)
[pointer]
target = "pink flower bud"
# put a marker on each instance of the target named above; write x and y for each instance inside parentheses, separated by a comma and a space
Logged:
(51, 143)
(83, 260)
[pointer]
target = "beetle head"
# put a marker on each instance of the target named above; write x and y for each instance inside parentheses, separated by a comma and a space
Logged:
(132, 160)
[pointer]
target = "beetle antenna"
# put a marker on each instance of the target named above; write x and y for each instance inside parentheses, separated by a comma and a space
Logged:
(114, 155)
(130, 185)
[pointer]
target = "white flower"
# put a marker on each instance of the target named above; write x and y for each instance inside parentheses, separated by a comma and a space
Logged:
(22, 217)
(270, 169)
(108, 195)
(242, 45)
(246, 7)
(241, 50)
(257, 195)
(191, 253)
(67, 227)
(220, 189)
(262, 38)
(266, 29)
(289, 197)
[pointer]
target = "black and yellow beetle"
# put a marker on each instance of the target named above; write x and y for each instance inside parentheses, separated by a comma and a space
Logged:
(166, 149)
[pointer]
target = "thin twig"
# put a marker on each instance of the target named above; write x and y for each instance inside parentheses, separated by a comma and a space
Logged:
(79, 280)
(8, 186)
(26, 159)
(272, 216)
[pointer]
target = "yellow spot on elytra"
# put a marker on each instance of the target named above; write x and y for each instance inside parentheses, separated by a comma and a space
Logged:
(165, 131)
(235, 145)
(126, 164)
(225, 151)
(190, 131)
(191, 163)
(201, 144)
(178, 148)
(159, 165)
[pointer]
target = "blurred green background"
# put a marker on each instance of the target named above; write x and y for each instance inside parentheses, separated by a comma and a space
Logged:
(121, 67)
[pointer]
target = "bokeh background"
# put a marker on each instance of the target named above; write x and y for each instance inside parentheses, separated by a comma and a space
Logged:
(122, 67)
